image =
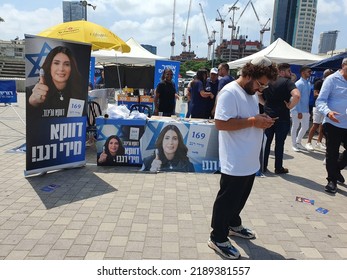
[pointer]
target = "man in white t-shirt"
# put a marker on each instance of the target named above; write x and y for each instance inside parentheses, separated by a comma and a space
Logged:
(240, 136)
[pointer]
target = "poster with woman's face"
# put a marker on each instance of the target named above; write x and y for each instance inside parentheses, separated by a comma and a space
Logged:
(57, 74)
(179, 146)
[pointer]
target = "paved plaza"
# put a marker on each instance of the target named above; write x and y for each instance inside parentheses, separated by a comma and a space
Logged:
(108, 213)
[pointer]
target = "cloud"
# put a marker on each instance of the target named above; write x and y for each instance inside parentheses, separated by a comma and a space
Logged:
(29, 22)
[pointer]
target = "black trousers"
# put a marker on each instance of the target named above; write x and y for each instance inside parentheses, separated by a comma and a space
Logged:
(334, 161)
(231, 198)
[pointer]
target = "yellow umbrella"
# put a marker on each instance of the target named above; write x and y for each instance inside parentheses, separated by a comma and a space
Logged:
(87, 32)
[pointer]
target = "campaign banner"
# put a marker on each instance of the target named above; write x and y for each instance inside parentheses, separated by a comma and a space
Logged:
(8, 92)
(57, 75)
(169, 145)
(118, 141)
(161, 65)
(92, 72)
(56, 143)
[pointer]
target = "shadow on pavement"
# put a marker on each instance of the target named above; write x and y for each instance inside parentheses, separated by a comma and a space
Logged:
(68, 186)
(256, 252)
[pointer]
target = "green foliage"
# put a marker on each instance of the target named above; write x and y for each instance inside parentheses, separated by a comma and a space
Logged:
(194, 65)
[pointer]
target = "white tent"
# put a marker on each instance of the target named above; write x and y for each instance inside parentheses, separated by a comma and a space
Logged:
(137, 55)
(279, 52)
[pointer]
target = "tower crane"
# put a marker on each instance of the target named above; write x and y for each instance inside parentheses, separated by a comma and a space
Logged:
(222, 20)
(244, 9)
(172, 43)
(210, 40)
(263, 27)
(184, 36)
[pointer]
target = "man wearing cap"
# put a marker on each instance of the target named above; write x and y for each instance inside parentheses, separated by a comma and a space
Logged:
(332, 102)
(212, 86)
(301, 112)
(281, 96)
(240, 134)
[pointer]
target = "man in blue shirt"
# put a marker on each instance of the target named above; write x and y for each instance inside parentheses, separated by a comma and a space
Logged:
(301, 112)
(332, 102)
(225, 78)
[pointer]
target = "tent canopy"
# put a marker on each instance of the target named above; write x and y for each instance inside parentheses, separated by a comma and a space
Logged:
(279, 52)
(333, 62)
(137, 56)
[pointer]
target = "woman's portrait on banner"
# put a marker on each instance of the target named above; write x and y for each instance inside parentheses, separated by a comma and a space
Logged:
(113, 152)
(58, 91)
(170, 153)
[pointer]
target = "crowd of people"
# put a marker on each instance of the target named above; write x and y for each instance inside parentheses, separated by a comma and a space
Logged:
(265, 102)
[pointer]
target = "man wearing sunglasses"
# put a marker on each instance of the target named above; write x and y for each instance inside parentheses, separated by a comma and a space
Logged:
(240, 134)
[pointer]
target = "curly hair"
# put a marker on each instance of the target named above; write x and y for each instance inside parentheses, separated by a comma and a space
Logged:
(258, 71)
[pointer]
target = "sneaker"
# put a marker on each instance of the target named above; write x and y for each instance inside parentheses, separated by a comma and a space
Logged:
(331, 187)
(282, 171)
(340, 178)
(309, 147)
(295, 148)
(225, 249)
(300, 146)
(242, 232)
(321, 146)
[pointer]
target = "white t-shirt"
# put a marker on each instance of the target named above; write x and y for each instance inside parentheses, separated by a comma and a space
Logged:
(239, 150)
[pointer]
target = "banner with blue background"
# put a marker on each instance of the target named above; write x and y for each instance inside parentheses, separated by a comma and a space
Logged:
(161, 65)
(8, 93)
(197, 153)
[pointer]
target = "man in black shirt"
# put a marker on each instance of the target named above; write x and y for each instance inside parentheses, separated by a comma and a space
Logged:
(281, 96)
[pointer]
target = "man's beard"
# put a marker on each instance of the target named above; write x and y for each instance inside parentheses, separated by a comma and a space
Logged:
(248, 88)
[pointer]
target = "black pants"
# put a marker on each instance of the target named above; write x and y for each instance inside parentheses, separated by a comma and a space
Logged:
(280, 130)
(334, 137)
(230, 200)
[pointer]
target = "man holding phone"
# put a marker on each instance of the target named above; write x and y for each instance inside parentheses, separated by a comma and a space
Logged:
(281, 96)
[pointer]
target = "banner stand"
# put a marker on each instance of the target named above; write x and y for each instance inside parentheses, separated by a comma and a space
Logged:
(44, 171)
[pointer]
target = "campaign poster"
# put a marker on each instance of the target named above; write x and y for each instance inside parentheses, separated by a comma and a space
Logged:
(57, 74)
(8, 92)
(161, 65)
(180, 146)
(118, 141)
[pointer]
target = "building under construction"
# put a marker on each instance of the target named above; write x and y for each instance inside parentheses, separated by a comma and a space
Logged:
(237, 48)
(227, 50)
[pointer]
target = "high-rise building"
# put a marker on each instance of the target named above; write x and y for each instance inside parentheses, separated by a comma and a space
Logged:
(73, 10)
(294, 21)
(327, 41)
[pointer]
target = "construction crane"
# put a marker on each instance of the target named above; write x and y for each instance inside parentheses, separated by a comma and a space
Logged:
(244, 9)
(210, 40)
(184, 36)
(222, 20)
(263, 27)
(172, 43)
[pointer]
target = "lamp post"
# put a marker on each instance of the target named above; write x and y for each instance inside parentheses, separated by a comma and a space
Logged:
(84, 5)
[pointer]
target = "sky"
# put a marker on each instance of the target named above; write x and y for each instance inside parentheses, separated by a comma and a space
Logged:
(150, 21)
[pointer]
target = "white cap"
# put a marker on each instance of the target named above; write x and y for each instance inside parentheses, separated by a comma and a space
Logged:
(214, 71)
(261, 61)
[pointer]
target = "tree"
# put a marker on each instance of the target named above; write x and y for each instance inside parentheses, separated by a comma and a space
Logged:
(1, 19)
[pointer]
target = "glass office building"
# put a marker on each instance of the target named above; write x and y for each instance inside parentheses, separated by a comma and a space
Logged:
(294, 22)
(73, 10)
(327, 41)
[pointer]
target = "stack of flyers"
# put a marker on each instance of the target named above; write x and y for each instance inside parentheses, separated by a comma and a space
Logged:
(322, 210)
